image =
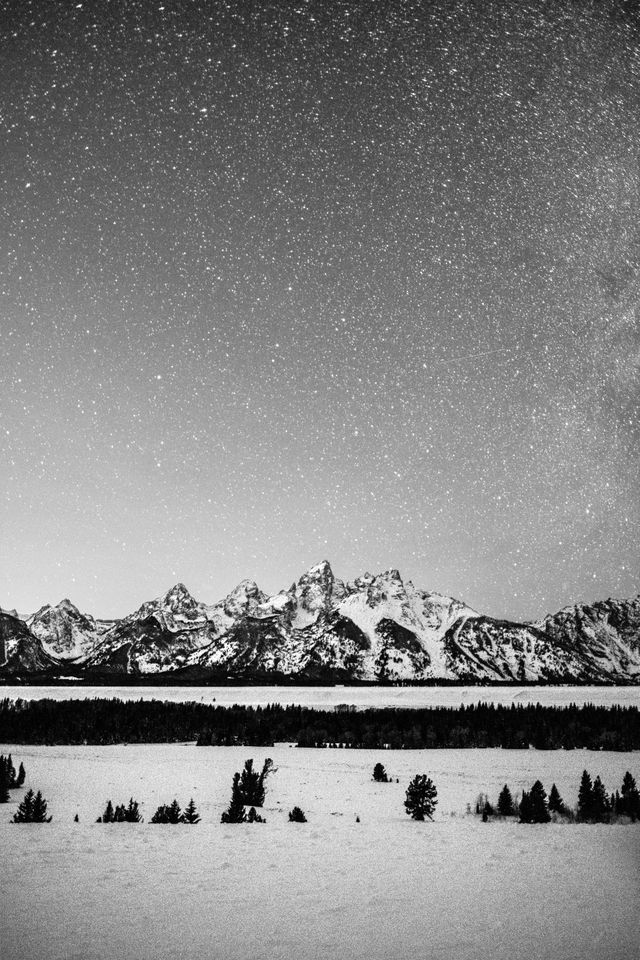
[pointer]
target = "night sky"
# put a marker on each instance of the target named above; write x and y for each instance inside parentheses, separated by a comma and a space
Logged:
(282, 281)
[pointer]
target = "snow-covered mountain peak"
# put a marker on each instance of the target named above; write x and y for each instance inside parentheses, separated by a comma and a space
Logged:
(243, 599)
(64, 631)
(178, 598)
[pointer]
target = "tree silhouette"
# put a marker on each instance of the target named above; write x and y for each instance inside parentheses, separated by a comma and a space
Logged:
(297, 816)
(600, 811)
(380, 774)
(556, 803)
(190, 814)
(505, 803)
(235, 811)
(4, 785)
(32, 809)
(585, 798)
(421, 797)
(629, 803)
(252, 783)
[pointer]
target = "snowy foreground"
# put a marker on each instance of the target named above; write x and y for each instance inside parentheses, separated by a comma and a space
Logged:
(328, 697)
(384, 888)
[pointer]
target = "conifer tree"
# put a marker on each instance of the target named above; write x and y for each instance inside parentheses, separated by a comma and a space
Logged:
(585, 798)
(297, 816)
(161, 815)
(174, 812)
(119, 814)
(421, 797)
(629, 803)
(556, 803)
(505, 802)
(525, 808)
(235, 812)
(538, 800)
(132, 814)
(254, 817)
(21, 775)
(380, 774)
(600, 801)
(4, 785)
(24, 812)
(32, 809)
(107, 816)
(40, 809)
(190, 814)
(252, 783)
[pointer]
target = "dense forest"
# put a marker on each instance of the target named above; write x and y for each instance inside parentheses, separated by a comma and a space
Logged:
(103, 721)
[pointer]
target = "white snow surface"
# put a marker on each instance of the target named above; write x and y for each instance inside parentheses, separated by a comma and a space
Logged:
(327, 698)
(381, 889)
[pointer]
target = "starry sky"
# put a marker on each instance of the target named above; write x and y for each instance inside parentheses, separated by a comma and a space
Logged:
(282, 281)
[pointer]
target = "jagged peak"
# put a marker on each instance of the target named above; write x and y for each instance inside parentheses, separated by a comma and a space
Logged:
(320, 570)
(178, 592)
(246, 587)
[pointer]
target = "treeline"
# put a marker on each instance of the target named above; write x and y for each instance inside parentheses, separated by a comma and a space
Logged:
(518, 726)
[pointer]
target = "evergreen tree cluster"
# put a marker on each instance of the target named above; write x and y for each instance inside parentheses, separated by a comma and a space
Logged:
(32, 809)
(534, 806)
(515, 726)
(297, 815)
(9, 779)
(596, 806)
(172, 813)
(248, 790)
(121, 813)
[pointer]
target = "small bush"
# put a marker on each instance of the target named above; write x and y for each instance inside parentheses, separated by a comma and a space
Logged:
(297, 816)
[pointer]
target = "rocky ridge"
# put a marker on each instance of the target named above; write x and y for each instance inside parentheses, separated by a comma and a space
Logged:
(377, 628)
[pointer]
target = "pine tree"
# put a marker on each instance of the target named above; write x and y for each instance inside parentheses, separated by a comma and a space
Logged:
(505, 802)
(235, 812)
(190, 814)
(132, 814)
(630, 798)
(4, 785)
(21, 776)
(380, 774)
(161, 815)
(556, 803)
(601, 809)
(421, 797)
(254, 817)
(252, 783)
(119, 814)
(174, 812)
(40, 809)
(32, 809)
(108, 815)
(585, 798)
(538, 800)
(11, 773)
(525, 809)
(297, 816)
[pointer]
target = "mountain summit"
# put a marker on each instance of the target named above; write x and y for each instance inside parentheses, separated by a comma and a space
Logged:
(377, 628)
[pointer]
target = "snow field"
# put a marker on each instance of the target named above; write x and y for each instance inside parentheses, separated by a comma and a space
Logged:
(328, 697)
(379, 889)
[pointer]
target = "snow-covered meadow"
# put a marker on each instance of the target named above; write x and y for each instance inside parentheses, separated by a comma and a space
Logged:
(326, 698)
(385, 887)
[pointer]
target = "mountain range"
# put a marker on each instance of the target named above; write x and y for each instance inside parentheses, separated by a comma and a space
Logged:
(322, 629)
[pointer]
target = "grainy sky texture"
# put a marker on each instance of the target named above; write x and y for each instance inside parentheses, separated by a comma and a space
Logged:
(282, 281)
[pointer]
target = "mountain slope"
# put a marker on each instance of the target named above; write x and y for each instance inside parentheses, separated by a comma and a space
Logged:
(375, 629)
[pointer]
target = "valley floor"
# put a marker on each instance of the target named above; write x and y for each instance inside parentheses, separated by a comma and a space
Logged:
(384, 888)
